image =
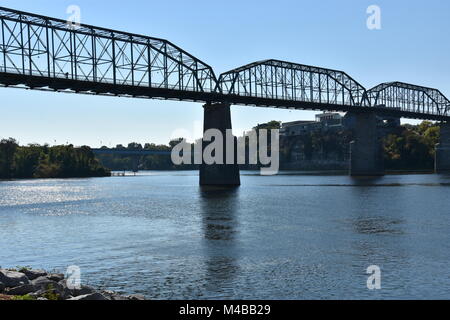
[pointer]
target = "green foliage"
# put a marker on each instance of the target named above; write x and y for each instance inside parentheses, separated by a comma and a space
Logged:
(269, 125)
(414, 148)
(23, 268)
(35, 161)
(26, 297)
(51, 293)
(8, 148)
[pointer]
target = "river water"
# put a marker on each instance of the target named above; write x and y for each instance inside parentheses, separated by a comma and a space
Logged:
(290, 236)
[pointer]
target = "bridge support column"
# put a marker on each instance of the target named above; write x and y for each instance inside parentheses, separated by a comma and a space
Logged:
(218, 116)
(442, 160)
(366, 149)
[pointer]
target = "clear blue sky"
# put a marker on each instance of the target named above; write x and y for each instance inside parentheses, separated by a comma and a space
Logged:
(412, 46)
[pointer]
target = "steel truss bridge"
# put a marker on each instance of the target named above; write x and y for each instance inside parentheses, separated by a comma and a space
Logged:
(43, 53)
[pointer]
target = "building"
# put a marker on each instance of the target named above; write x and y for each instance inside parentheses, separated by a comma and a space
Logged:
(331, 121)
(324, 144)
(324, 122)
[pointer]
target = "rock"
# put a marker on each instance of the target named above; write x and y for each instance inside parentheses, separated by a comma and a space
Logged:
(119, 298)
(21, 290)
(83, 290)
(93, 296)
(65, 293)
(111, 295)
(62, 291)
(108, 293)
(34, 274)
(55, 277)
(12, 279)
(44, 283)
(42, 299)
(37, 294)
(2, 287)
(136, 297)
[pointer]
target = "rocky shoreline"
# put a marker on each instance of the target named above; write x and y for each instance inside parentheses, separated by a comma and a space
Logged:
(29, 284)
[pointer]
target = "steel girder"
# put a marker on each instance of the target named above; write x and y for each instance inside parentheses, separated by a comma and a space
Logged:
(40, 46)
(409, 98)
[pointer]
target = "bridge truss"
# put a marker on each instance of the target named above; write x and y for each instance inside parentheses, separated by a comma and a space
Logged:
(43, 53)
(281, 80)
(35, 47)
(408, 98)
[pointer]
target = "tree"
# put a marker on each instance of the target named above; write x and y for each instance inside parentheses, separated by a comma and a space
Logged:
(134, 146)
(35, 161)
(414, 148)
(8, 148)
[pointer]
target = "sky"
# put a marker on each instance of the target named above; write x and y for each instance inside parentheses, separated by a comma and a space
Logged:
(411, 46)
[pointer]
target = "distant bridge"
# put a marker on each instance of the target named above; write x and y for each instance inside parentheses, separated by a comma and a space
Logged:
(42, 53)
(134, 154)
(129, 152)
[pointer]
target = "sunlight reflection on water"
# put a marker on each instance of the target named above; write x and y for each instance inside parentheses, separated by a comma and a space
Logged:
(287, 237)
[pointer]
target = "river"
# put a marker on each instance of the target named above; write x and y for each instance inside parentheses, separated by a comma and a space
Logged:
(290, 236)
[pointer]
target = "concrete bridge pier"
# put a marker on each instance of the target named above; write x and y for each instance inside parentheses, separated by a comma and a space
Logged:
(218, 116)
(366, 149)
(442, 160)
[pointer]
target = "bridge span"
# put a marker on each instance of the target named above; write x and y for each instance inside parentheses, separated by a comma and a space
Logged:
(43, 53)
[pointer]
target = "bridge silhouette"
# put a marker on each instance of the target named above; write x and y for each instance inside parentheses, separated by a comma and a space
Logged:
(49, 54)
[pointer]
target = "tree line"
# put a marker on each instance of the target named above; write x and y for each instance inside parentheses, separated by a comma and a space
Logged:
(43, 161)
(412, 147)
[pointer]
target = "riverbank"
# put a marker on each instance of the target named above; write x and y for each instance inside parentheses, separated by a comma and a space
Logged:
(29, 284)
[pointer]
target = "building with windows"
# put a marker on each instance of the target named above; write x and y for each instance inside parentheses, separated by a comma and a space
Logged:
(324, 144)
(331, 121)
(324, 122)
